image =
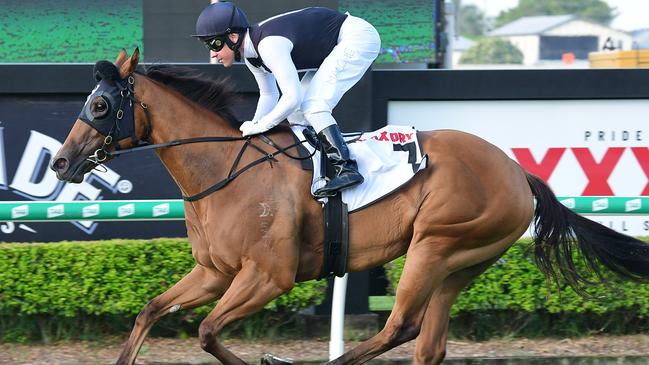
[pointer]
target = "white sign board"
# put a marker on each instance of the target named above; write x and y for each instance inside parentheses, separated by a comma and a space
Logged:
(580, 147)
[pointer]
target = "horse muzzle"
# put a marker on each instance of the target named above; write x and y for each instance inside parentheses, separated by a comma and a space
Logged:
(71, 172)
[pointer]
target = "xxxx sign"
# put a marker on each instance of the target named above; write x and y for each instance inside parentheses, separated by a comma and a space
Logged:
(580, 147)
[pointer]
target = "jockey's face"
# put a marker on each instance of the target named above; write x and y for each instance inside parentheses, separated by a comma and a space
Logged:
(226, 56)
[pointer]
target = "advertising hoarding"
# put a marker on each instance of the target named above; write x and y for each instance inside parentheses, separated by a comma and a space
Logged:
(31, 132)
(580, 147)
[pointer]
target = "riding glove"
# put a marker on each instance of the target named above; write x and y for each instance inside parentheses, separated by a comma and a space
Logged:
(250, 128)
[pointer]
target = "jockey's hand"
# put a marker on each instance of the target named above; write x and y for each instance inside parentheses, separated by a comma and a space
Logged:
(250, 128)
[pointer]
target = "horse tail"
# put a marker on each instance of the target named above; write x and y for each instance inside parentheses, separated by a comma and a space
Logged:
(559, 233)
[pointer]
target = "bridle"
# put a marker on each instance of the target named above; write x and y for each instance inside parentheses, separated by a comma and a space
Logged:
(118, 131)
(122, 129)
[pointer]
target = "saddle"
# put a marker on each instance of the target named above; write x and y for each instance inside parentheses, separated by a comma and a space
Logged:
(387, 158)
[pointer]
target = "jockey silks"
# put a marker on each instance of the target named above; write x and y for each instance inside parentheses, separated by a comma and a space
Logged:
(313, 32)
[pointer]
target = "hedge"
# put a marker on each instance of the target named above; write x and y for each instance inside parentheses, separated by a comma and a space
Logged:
(58, 290)
(514, 291)
(107, 279)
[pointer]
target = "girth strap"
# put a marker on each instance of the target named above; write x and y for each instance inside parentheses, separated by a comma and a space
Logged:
(336, 223)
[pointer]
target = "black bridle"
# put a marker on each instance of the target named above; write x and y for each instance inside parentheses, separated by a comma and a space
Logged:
(120, 130)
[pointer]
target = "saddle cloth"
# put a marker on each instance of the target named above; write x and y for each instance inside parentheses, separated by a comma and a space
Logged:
(387, 158)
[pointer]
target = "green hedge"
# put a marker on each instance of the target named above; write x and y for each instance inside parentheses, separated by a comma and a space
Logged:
(105, 280)
(513, 293)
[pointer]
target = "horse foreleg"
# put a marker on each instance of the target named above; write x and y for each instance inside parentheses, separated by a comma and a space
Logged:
(250, 291)
(431, 342)
(199, 287)
(423, 273)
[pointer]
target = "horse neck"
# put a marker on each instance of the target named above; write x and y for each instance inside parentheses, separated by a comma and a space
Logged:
(174, 117)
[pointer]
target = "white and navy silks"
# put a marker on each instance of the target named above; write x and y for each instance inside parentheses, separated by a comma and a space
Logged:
(334, 48)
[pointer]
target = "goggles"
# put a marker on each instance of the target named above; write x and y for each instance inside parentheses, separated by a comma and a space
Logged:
(215, 43)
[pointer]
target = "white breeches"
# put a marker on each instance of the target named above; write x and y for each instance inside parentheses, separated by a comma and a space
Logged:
(358, 46)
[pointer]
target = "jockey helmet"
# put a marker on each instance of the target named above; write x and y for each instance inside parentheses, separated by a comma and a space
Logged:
(216, 22)
(220, 19)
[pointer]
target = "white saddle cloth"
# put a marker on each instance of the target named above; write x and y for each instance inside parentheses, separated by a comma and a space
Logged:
(387, 158)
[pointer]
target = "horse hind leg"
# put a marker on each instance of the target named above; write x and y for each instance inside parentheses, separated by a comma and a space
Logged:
(424, 272)
(431, 342)
(199, 287)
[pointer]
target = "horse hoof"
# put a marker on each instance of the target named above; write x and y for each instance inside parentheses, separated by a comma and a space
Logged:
(269, 359)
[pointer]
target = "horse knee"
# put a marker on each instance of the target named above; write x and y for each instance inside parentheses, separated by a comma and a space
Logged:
(207, 335)
(284, 285)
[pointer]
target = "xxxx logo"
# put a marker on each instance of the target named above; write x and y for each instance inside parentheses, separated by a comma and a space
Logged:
(597, 172)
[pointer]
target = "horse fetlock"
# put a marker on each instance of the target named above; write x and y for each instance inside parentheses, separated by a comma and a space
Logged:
(434, 356)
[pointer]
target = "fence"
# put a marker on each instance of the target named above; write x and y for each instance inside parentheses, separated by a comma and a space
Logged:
(155, 210)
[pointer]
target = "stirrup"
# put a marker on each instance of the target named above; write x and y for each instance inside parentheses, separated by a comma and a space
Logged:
(327, 191)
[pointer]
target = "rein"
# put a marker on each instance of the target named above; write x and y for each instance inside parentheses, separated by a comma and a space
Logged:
(233, 173)
(102, 154)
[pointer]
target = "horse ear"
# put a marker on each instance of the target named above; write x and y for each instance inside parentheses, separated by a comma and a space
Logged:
(121, 57)
(130, 64)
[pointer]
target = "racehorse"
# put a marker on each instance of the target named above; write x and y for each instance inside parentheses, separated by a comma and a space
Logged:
(257, 235)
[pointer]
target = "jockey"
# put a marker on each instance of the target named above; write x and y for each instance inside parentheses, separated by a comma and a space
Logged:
(334, 49)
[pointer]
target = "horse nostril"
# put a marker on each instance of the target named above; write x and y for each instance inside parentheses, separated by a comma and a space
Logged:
(60, 164)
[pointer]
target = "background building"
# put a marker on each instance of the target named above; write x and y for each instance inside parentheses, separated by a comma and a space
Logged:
(546, 39)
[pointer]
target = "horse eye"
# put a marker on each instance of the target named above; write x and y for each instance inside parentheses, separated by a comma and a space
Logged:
(99, 107)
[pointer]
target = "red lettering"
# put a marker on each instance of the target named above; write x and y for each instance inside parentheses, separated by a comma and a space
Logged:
(642, 155)
(394, 137)
(544, 169)
(384, 136)
(409, 136)
(598, 173)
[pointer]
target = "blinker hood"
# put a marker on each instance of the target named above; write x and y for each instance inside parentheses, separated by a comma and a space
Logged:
(119, 121)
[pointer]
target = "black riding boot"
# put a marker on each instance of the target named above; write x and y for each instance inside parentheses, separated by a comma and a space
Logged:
(347, 174)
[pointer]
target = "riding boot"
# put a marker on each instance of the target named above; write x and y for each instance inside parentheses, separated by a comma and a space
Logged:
(345, 168)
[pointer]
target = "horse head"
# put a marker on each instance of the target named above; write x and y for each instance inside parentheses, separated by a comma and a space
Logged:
(107, 122)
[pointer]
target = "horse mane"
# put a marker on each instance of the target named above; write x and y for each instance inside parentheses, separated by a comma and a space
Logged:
(217, 96)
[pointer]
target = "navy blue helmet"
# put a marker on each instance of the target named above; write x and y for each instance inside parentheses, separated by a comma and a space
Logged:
(219, 19)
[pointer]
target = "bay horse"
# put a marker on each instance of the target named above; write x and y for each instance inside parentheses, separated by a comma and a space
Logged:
(262, 232)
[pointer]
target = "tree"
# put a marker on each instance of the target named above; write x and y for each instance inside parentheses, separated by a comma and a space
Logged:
(471, 21)
(595, 10)
(492, 51)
